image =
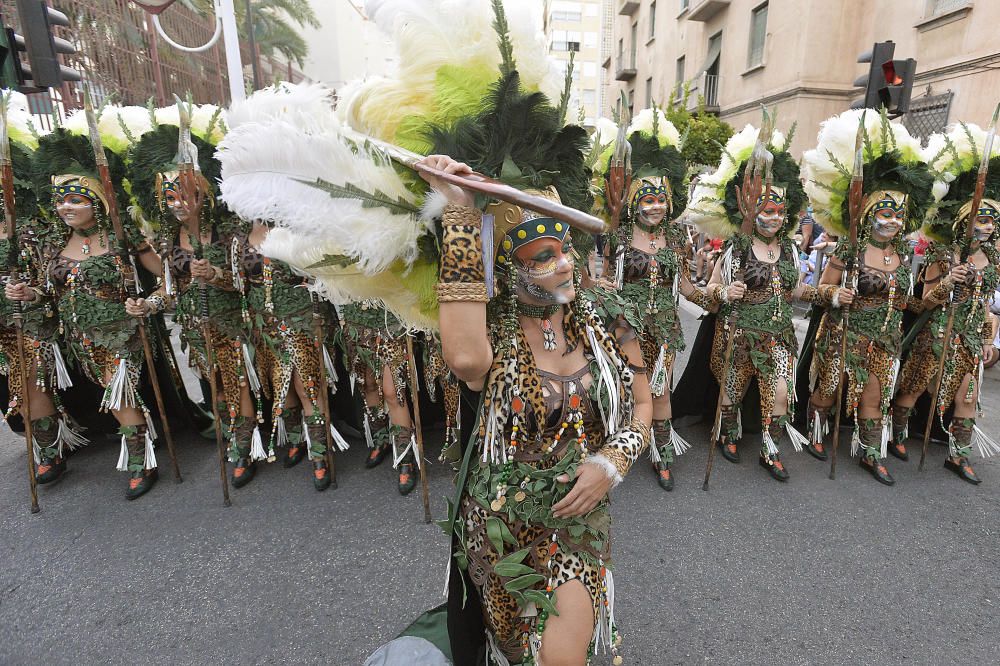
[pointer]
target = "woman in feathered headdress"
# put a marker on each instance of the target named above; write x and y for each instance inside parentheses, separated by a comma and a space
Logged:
(86, 277)
(897, 192)
(52, 429)
(759, 303)
(648, 257)
(968, 287)
(195, 234)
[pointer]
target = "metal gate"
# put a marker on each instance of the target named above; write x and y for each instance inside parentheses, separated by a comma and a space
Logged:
(119, 54)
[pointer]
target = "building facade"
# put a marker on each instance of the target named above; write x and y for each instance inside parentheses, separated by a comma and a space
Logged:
(801, 56)
(346, 46)
(576, 28)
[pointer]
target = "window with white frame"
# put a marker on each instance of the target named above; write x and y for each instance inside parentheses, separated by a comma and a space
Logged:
(758, 35)
(590, 40)
(652, 19)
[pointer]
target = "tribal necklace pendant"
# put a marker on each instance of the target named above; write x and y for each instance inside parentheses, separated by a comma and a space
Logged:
(887, 250)
(767, 244)
(87, 235)
(544, 313)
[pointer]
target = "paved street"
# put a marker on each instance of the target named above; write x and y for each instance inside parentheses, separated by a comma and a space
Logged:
(752, 572)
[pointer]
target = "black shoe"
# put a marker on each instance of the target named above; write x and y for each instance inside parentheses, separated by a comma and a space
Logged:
(664, 476)
(376, 456)
(898, 449)
(774, 467)
(877, 469)
(140, 483)
(294, 456)
(729, 451)
(50, 470)
(244, 472)
(963, 469)
(408, 474)
(817, 450)
(321, 474)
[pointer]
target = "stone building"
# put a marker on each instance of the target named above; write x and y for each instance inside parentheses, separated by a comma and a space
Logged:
(801, 56)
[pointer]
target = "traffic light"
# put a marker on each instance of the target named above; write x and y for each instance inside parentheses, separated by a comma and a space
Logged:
(898, 76)
(38, 21)
(888, 82)
(12, 74)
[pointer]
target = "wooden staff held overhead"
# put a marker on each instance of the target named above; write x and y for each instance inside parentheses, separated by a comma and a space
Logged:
(124, 251)
(10, 222)
(970, 228)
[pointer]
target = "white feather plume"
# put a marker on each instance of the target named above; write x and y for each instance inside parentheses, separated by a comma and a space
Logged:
(667, 133)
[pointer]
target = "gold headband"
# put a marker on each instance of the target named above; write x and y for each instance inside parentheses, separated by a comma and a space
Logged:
(87, 186)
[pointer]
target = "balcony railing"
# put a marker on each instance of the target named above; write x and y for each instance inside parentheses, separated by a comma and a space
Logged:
(703, 10)
(625, 68)
(705, 89)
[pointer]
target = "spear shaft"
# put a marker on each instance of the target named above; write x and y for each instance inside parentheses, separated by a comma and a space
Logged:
(10, 222)
(970, 228)
(129, 277)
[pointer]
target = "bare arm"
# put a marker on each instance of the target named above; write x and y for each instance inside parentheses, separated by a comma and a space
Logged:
(465, 340)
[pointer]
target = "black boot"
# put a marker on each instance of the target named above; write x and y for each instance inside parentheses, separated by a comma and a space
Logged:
(381, 439)
(245, 467)
(961, 447)
(897, 445)
(730, 434)
(296, 440)
(408, 471)
(317, 452)
(871, 447)
(51, 465)
(141, 480)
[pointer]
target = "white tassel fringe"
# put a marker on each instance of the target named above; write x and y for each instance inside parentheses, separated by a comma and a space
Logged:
(250, 370)
(63, 380)
(986, 445)
(123, 457)
(257, 445)
(798, 439)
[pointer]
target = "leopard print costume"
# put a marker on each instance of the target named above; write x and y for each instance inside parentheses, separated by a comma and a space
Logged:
(874, 341)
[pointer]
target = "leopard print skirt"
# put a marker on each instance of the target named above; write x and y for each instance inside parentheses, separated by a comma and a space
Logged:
(742, 368)
(504, 618)
(227, 353)
(39, 358)
(827, 368)
(921, 367)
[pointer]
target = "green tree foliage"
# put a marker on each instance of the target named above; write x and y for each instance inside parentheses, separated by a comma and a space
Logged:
(272, 25)
(705, 133)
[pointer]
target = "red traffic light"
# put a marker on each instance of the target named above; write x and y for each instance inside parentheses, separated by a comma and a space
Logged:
(891, 76)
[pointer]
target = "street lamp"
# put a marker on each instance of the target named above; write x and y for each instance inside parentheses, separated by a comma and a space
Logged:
(225, 26)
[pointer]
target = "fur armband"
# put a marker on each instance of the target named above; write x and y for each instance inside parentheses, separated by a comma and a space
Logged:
(825, 294)
(701, 299)
(621, 450)
(940, 293)
(462, 275)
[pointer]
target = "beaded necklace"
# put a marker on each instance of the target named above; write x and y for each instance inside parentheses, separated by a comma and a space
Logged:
(89, 233)
(544, 313)
(884, 245)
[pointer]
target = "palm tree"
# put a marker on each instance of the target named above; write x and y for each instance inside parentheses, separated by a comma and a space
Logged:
(272, 25)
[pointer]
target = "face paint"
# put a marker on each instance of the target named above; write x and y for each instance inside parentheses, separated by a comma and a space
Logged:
(76, 210)
(771, 218)
(652, 208)
(886, 222)
(986, 222)
(545, 271)
(175, 205)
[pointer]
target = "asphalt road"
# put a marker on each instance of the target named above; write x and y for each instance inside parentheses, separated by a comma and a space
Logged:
(752, 572)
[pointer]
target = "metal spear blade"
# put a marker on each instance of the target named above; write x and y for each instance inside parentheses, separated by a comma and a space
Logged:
(95, 135)
(988, 144)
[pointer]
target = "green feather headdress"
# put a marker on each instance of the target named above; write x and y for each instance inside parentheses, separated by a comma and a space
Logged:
(713, 206)
(954, 158)
(892, 162)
